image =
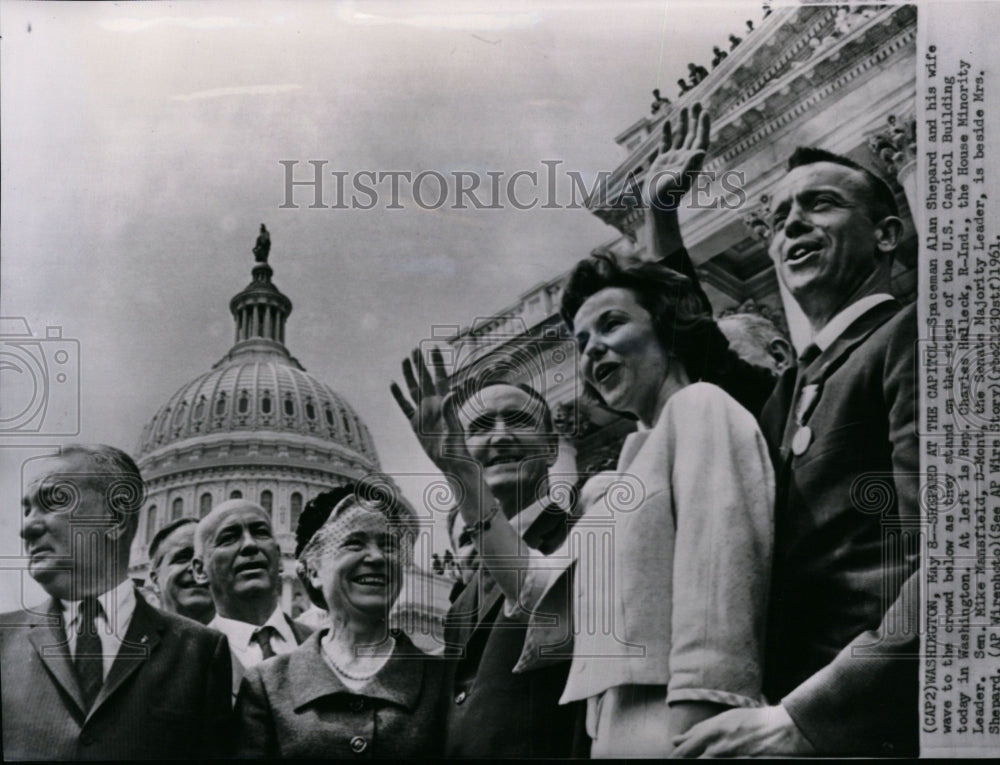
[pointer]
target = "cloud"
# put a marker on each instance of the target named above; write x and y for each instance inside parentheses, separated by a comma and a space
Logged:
(240, 90)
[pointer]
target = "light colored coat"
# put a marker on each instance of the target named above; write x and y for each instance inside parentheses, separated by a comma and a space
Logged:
(672, 564)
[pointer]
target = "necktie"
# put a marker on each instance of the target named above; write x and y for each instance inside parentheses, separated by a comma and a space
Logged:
(89, 660)
(808, 355)
(262, 637)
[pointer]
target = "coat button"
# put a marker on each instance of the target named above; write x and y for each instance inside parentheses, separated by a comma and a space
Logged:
(358, 745)
(86, 739)
(357, 705)
(460, 697)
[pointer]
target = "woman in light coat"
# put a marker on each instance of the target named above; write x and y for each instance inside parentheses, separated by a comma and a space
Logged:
(670, 561)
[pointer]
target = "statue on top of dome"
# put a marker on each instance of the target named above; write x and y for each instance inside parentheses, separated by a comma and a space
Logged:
(263, 245)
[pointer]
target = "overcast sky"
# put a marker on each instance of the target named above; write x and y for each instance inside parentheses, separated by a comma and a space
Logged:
(141, 149)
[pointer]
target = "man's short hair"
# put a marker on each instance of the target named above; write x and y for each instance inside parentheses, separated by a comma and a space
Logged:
(162, 534)
(882, 202)
(121, 484)
(230, 504)
(487, 378)
(760, 328)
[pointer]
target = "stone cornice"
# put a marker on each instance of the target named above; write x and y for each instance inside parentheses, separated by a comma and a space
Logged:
(793, 67)
(189, 476)
(800, 89)
(776, 27)
(260, 450)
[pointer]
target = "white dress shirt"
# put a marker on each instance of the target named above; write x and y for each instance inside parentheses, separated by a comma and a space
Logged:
(839, 323)
(240, 635)
(117, 607)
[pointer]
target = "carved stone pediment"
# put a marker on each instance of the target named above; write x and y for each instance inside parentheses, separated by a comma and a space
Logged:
(797, 59)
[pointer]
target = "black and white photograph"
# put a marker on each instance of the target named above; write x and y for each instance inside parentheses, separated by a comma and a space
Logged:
(524, 380)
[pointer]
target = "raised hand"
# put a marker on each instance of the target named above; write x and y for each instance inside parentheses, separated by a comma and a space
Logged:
(432, 421)
(679, 158)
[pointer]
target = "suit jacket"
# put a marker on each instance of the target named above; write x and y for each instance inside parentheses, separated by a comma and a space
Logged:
(166, 695)
(489, 711)
(847, 519)
(299, 630)
(294, 705)
(847, 663)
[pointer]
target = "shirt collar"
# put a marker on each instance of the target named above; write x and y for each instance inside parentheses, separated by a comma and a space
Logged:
(240, 633)
(839, 323)
(118, 602)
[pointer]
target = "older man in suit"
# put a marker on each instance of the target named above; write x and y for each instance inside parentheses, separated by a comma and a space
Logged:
(96, 672)
(507, 434)
(842, 632)
(237, 556)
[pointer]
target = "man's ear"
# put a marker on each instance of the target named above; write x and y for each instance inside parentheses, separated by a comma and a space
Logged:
(888, 233)
(198, 569)
(153, 579)
(117, 531)
(781, 351)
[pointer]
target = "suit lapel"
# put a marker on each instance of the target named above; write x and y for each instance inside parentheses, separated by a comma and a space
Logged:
(298, 631)
(48, 638)
(141, 638)
(463, 612)
(489, 598)
(837, 353)
(830, 360)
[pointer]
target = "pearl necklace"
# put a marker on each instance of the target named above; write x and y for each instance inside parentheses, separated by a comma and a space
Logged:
(358, 678)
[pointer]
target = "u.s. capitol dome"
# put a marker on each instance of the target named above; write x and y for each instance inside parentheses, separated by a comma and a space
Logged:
(256, 425)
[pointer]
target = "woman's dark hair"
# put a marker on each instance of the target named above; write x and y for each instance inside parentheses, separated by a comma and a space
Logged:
(682, 322)
(372, 491)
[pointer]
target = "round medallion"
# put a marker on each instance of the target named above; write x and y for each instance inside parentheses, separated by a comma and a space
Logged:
(801, 440)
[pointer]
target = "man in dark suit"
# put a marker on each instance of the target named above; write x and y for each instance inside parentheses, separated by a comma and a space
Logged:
(843, 615)
(237, 556)
(489, 710)
(96, 672)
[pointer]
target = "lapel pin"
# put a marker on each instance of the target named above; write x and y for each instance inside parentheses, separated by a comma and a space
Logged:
(144, 638)
(801, 440)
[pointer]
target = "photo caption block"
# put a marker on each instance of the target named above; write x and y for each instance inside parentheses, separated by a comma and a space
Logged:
(959, 314)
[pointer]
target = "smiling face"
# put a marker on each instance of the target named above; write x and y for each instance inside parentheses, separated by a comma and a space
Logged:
(824, 242)
(506, 433)
(174, 578)
(65, 526)
(239, 558)
(620, 355)
(357, 565)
